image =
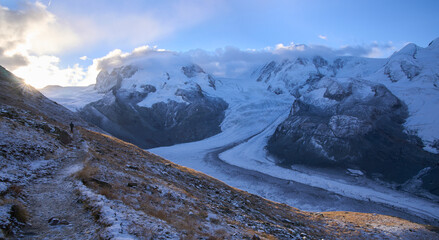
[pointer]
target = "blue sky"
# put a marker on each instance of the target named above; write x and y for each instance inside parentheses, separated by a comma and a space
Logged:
(75, 28)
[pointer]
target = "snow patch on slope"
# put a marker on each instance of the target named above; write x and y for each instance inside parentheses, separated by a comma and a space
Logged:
(119, 219)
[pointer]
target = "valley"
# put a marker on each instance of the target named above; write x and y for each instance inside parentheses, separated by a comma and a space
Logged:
(237, 157)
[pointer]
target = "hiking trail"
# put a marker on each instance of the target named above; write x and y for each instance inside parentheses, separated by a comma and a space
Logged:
(54, 210)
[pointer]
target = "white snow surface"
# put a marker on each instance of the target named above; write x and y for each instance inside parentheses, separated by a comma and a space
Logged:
(166, 83)
(73, 98)
(355, 172)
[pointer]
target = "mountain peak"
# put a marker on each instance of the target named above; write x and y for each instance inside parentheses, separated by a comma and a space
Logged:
(434, 44)
(192, 70)
(409, 49)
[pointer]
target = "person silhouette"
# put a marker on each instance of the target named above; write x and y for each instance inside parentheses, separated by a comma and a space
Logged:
(71, 127)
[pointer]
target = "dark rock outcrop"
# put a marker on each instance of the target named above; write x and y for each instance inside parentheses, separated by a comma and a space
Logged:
(105, 81)
(319, 62)
(192, 70)
(355, 124)
(165, 123)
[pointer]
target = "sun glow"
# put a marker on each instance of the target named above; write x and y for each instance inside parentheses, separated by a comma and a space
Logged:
(44, 70)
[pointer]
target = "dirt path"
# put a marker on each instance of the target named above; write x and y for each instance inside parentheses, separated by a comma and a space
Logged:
(53, 197)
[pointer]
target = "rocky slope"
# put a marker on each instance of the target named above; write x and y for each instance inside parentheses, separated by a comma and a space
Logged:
(117, 190)
(151, 108)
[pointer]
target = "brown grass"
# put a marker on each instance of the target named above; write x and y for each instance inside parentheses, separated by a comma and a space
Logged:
(18, 209)
(108, 193)
(87, 172)
(215, 221)
(15, 190)
(19, 212)
(148, 204)
(49, 155)
(178, 218)
(361, 219)
(219, 234)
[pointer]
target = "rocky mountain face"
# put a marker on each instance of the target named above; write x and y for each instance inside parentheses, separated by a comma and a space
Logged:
(352, 124)
(87, 185)
(159, 108)
(352, 113)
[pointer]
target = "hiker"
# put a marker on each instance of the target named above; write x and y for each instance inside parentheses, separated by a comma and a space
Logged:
(71, 127)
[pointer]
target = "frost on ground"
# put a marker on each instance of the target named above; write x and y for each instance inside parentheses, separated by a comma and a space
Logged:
(121, 221)
(35, 187)
(25, 154)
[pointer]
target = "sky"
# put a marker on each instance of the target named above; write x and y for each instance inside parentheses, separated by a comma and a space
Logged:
(63, 42)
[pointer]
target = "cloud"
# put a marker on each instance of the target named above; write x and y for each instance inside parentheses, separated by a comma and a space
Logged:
(12, 61)
(31, 36)
(44, 70)
(117, 58)
(292, 47)
(223, 62)
(135, 22)
(373, 50)
(230, 61)
(33, 30)
(323, 37)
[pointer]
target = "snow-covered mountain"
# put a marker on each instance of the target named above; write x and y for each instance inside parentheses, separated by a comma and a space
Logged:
(412, 74)
(361, 113)
(157, 105)
(369, 117)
